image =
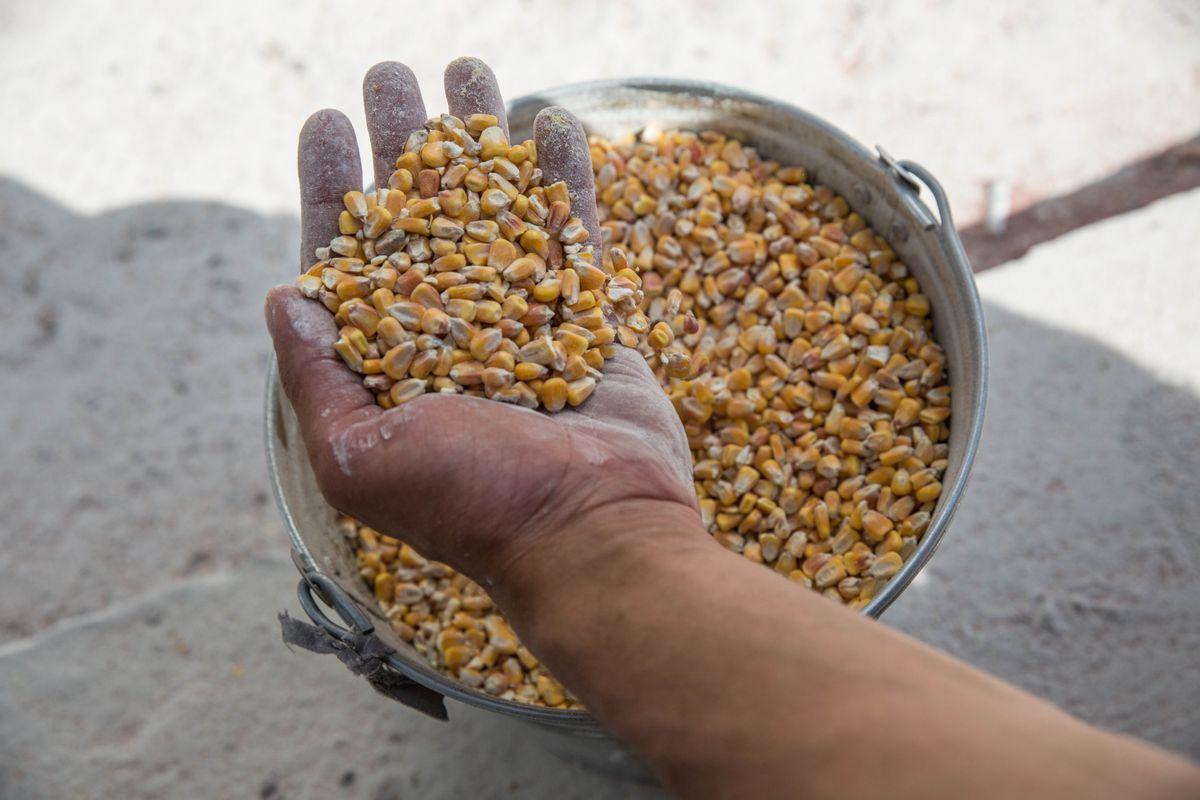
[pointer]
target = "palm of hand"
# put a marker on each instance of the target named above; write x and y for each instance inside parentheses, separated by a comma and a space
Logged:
(462, 478)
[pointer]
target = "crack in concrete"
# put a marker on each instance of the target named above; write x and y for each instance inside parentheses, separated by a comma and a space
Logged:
(114, 612)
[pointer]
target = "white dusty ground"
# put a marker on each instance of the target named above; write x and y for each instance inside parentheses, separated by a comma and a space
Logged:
(147, 191)
(169, 100)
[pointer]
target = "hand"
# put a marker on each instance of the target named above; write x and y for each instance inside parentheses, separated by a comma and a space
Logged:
(472, 482)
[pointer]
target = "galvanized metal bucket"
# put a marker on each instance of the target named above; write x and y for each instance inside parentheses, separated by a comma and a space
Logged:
(886, 192)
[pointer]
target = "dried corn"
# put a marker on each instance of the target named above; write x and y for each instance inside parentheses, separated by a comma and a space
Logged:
(440, 253)
(789, 336)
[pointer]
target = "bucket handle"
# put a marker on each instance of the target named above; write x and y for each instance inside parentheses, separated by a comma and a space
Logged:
(912, 176)
(337, 599)
(356, 647)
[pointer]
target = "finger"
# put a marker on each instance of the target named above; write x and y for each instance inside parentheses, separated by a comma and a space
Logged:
(394, 108)
(329, 167)
(325, 394)
(563, 155)
(471, 88)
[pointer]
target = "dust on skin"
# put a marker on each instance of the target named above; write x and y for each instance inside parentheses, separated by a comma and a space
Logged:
(329, 167)
(394, 109)
(563, 155)
(310, 327)
(471, 89)
(352, 443)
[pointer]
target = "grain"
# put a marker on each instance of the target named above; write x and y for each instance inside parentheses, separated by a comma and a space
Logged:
(793, 342)
(423, 264)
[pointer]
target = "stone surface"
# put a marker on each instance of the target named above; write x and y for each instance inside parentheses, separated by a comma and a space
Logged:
(189, 692)
(133, 359)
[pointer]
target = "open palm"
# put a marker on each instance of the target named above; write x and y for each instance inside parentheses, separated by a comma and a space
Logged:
(468, 481)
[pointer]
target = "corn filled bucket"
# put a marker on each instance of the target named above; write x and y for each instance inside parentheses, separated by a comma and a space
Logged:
(813, 321)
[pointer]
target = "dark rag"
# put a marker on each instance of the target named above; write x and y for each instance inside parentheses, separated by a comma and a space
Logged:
(366, 656)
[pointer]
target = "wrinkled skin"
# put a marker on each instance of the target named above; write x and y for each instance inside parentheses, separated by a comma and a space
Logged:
(472, 482)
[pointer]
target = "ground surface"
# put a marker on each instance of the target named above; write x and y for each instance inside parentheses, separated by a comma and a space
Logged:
(147, 195)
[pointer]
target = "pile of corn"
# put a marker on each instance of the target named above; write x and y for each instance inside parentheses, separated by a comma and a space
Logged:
(818, 419)
(797, 351)
(451, 621)
(466, 275)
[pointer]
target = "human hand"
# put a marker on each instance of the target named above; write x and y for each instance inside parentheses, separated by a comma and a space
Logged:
(475, 483)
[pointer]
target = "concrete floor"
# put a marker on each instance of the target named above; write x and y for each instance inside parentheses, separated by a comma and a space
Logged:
(148, 199)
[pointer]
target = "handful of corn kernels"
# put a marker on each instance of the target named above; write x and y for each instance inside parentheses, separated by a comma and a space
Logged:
(467, 275)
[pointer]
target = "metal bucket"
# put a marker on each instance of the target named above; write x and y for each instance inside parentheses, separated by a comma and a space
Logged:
(885, 192)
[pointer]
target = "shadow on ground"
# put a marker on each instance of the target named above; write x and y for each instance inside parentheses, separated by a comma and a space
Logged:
(145, 562)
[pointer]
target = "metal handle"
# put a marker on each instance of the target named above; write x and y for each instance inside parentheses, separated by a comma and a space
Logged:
(337, 599)
(363, 653)
(913, 176)
(935, 189)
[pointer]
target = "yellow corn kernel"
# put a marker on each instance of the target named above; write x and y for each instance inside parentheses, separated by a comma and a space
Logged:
(396, 361)
(580, 390)
(661, 336)
(553, 394)
(492, 142)
(347, 224)
(547, 291)
(407, 390)
(378, 220)
(929, 492)
(349, 354)
(356, 204)
(528, 371)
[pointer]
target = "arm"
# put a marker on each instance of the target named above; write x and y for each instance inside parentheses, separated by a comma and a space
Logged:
(731, 682)
(583, 525)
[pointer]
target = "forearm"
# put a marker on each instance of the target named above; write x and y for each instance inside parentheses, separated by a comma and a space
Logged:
(730, 680)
